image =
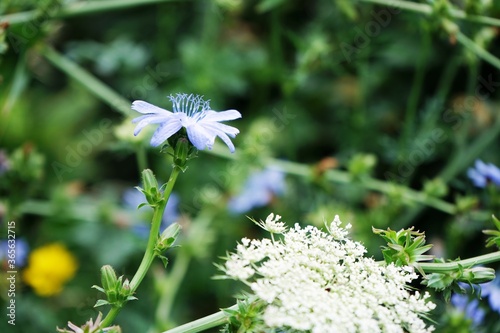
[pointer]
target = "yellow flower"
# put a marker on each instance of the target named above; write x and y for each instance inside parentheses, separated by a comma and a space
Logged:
(49, 267)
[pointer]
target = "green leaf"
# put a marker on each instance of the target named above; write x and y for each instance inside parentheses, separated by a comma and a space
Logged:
(495, 234)
(101, 302)
(439, 281)
(98, 288)
(164, 260)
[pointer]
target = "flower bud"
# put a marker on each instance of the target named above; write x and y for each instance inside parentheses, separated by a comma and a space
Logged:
(126, 287)
(181, 152)
(476, 275)
(108, 278)
(150, 188)
(435, 188)
(168, 236)
(465, 204)
(113, 329)
(149, 181)
(361, 165)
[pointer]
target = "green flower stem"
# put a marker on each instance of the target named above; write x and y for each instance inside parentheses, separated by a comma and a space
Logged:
(90, 82)
(149, 255)
(449, 266)
(454, 13)
(204, 323)
(142, 160)
(155, 230)
(108, 320)
(460, 160)
(79, 8)
(427, 10)
(180, 266)
(477, 50)
(171, 285)
(343, 177)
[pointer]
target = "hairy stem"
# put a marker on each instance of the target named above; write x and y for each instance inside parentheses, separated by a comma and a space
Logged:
(213, 320)
(427, 10)
(75, 9)
(149, 255)
(434, 267)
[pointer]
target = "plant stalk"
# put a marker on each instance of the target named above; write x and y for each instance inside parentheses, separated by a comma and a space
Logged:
(149, 255)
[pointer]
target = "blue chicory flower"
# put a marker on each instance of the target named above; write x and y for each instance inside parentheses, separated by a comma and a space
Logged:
(470, 308)
(492, 290)
(191, 112)
(133, 198)
(483, 173)
(258, 190)
(20, 251)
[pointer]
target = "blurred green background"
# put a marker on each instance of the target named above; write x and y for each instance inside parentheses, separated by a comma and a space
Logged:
(371, 112)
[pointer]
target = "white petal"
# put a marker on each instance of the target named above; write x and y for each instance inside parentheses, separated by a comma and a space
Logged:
(213, 129)
(227, 141)
(229, 130)
(165, 131)
(149, 119)
(75, 328)
(222, 116)
(200, 137)
(145, 107)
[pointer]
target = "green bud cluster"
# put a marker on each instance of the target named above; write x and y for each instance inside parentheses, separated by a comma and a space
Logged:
(404, 247)
(435, 188)
(448, 281)
(150, 189)
(117, 291)
(246, 318)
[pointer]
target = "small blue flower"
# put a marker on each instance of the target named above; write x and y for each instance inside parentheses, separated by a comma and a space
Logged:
(18, 249)
(258, 190)
(492, 290)
(483, 174)
(470, 308)
(193, 113)
(133, 198)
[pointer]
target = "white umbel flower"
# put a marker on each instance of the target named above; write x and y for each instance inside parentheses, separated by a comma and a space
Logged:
(321, 282)
(273, 224)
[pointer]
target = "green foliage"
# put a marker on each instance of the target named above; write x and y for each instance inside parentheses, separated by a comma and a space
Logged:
(151, 190)
(374, 113)
(117, 291)
(166, 241)
(449, 281)
(246, 318)
(404, 247)
(495, 234)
